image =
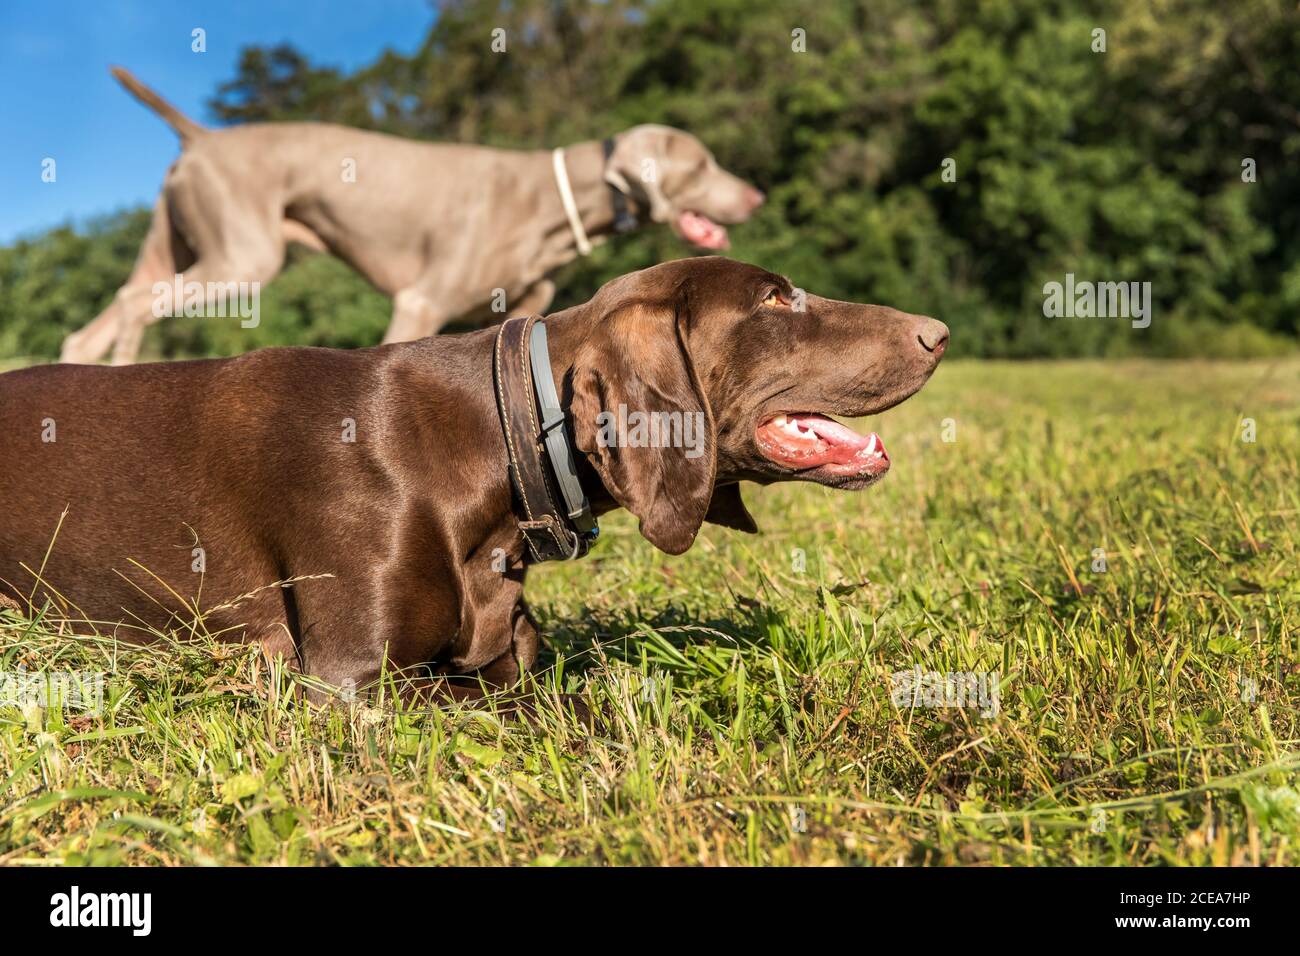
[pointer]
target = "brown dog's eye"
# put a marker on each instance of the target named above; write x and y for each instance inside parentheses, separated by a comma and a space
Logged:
(775, 299)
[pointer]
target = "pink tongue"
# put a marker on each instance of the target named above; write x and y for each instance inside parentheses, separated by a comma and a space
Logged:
(844, 445)
(702, 231)
(821, 441)
(832, 431)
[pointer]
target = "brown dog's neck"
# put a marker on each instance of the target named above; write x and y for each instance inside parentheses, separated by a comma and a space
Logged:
(469, 391)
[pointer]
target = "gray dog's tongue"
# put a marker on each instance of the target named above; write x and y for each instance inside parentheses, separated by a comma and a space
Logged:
(702, 231)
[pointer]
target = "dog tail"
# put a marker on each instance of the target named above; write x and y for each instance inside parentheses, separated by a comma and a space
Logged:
(185, 127)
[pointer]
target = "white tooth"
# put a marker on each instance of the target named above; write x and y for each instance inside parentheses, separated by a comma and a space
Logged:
(871, 443)
(779, 421)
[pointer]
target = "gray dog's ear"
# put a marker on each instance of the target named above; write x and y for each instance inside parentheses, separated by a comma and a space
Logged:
(728, 509)
(640, 416)
(638, 165)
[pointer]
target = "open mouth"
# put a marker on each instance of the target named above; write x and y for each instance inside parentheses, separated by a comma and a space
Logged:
(808, 442)
(702, 231)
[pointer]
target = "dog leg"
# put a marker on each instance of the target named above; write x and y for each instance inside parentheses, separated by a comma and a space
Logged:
(162, 255)
(414, 317)
(501, 679)
(92, 341)
(294, 231)
(219, 276)
(536, 298)
(134, 312)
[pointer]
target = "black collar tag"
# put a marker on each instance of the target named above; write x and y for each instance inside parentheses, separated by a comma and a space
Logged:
(624, 218)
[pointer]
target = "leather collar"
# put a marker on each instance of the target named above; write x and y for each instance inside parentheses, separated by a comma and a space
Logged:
(624, 216)
(556, 518)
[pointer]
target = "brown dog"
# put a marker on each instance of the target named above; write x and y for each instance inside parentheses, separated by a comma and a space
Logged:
(387, 468)
(446, 230)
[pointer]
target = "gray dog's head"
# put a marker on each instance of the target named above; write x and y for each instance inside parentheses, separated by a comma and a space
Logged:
(675, 176)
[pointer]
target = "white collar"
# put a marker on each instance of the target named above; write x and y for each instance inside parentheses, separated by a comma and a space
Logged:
(566, 197)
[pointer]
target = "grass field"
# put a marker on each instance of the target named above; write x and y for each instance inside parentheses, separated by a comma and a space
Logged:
(1146, 714)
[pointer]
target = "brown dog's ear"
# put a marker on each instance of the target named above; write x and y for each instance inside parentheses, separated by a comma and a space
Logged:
(640, 417)
(728, 509)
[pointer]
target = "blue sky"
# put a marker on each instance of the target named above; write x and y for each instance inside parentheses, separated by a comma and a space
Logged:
(57, 98)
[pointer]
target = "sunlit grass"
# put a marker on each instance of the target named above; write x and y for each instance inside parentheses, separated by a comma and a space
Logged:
(1147, 712)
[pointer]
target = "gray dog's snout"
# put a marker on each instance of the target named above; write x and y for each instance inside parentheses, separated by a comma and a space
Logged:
(933, 336)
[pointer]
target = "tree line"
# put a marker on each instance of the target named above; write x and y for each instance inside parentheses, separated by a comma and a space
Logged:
(940, 156)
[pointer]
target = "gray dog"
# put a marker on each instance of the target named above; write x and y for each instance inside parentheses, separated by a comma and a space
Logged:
(447, 231)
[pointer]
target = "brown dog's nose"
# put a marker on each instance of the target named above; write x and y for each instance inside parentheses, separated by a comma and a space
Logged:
(933, 336)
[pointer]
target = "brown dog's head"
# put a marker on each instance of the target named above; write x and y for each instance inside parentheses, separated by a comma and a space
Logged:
(678, 180)
(699, 373)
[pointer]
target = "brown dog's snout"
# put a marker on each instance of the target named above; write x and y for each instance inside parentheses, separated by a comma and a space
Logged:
(933, 336)
(754, 197)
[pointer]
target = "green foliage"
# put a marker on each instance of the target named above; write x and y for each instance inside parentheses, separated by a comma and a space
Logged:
(55, 283)
(1116, 165)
